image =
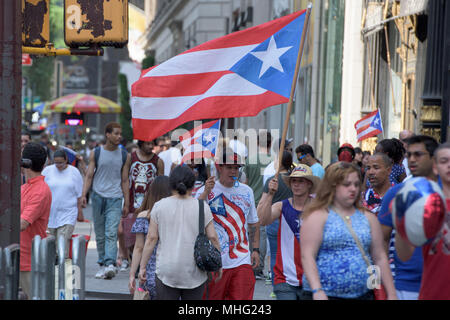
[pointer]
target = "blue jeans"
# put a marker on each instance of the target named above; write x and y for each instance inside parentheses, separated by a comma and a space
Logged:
(107, 213)
(272, 236)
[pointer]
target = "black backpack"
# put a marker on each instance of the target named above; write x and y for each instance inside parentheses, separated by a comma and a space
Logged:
(206, 256)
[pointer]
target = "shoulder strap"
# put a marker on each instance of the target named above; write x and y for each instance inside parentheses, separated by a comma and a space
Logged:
(124, 156)
(355, 237)
(97, 155)
(201, 217)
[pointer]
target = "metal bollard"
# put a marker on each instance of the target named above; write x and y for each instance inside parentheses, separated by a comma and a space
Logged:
(79, 267)
(12, 271)
(47, 253)
(35, 274)
(61, 268)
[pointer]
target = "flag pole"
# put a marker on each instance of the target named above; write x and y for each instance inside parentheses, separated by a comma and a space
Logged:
(294, 83)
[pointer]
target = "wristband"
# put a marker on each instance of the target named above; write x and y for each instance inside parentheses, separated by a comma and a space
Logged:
(256, 250)
(317, 290)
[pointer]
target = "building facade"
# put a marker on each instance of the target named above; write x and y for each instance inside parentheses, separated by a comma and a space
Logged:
(359, 56)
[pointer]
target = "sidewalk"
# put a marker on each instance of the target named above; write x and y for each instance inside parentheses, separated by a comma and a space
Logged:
(117, 288)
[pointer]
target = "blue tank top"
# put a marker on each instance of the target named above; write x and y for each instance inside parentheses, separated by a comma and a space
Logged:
(341, 266)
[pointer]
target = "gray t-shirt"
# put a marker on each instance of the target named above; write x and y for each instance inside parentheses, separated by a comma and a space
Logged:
(108, 174)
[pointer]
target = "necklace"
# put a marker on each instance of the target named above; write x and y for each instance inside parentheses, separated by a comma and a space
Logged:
(346, 218)
(304, 203)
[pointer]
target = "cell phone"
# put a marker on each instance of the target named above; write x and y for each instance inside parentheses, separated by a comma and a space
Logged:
(26, 163)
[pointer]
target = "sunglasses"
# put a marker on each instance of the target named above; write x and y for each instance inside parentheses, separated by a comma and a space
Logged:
(416, 154)
(301, 157)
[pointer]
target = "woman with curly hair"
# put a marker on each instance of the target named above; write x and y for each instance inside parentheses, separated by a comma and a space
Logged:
(395, 150)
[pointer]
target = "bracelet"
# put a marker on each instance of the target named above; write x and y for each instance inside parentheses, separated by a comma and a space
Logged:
(256, 250)
(317, 290)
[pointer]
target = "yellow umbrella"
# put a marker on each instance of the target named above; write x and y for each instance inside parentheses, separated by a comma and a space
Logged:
(81, 102)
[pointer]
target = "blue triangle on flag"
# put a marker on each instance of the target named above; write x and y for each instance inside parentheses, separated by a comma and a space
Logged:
(249, 67)
(376, 122)
(217, 206)
(209, 137)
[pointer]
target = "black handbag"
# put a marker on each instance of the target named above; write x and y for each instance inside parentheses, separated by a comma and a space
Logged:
(206, 256)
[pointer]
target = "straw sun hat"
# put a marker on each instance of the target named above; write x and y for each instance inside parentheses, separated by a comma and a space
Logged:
(302, 171)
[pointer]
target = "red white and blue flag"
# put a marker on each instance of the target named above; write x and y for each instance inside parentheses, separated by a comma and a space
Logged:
(201, 142)
(369, 126)
(237, 75)
(232, 219)
(71, 156)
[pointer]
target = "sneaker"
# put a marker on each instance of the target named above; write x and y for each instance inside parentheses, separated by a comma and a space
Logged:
(269, 278)
(110, 272)
(259, 275)
(100, 274)
(273, 295)
(124, 266)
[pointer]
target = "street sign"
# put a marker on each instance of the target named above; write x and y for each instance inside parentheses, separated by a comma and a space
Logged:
(26, 60)
(101, 23)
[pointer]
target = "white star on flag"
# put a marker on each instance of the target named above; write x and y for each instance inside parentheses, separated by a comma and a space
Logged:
(271, 57)
(208, 138)
(216, 204)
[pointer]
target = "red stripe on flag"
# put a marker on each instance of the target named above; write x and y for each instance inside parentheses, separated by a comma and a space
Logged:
(256, 34)
(190, 134)
(232, 106)
(373, 133)
(197, 155)
(358, 131)
(175, 85)
(366, 117)
(297, 260)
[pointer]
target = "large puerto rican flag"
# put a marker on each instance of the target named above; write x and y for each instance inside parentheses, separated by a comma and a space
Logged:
(237, 75)
(369, 126)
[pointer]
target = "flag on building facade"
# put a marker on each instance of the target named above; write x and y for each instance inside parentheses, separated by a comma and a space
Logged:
(237, 75)
(369, 126)
(201, 142)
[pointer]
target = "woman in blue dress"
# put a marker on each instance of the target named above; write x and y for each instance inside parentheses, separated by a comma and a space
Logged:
(158, 190)
(333, 265)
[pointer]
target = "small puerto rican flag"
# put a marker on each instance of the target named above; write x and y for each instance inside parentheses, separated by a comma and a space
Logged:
(369, 126)
(201, 142)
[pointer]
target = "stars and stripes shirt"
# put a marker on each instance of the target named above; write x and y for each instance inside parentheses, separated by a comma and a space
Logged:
(233, 209)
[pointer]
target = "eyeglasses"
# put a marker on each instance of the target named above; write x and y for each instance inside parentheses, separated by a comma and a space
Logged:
(416, 154)
(301, 157)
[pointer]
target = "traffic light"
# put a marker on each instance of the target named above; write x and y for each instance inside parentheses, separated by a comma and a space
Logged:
(36, 23)
(96, 22)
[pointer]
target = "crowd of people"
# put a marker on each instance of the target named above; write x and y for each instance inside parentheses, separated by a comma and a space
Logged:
(320, 229)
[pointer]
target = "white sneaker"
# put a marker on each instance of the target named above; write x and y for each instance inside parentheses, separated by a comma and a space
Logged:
(100, 274)
(124, 266)
(110, 272)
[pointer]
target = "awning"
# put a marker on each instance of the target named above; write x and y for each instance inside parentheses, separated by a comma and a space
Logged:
(374, 17)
